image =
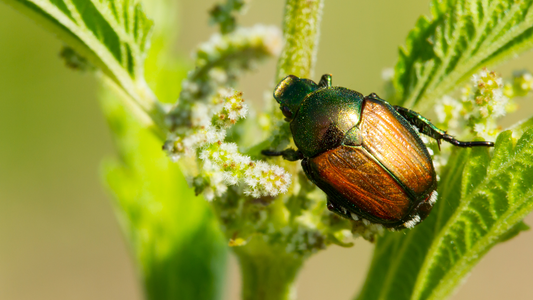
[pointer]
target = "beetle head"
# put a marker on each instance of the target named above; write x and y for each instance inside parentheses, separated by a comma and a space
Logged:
(290, 93)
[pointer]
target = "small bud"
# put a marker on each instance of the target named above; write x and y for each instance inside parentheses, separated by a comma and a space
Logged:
(522, 83)
(482, 103)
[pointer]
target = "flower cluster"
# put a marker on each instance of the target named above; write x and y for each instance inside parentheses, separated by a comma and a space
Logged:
(367, 230)
(177, 146)
(298, 238)
(481, 104)
(207, 123)
(206, 108)
(263, 179)
(222, 164)
(488, 95)
(226, 166)
(220, 61)
(229, 109)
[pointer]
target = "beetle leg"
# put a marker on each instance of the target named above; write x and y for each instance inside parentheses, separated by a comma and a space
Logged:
(343, 212)
(325, 81)
(426, 127)
(288, 154)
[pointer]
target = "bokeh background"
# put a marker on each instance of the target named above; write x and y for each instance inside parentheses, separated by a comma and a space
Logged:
(58, 235)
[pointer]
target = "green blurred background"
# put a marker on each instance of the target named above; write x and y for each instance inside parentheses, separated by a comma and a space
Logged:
(58, 235)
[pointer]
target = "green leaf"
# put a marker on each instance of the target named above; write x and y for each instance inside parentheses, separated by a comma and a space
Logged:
(174, 235)
(461, 37)
(113, 35)
(475, 211)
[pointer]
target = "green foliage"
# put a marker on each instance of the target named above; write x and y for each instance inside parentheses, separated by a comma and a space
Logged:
(112, 35)
(475, 211)
(461, 37)
(115, 34)
(482, 199)
(173, 234)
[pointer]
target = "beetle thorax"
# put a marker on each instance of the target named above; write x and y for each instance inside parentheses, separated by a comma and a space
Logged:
(324, 118)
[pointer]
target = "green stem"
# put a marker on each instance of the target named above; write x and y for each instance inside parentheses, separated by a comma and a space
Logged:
(268, 271)
(301, 25)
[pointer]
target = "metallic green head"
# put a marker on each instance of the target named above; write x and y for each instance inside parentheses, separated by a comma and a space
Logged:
(290, 93)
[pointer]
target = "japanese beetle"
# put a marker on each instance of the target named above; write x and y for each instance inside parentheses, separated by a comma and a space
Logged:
(365, 154)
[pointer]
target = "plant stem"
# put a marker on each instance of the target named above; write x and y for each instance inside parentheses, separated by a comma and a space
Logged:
(301, 25)
(268, 271)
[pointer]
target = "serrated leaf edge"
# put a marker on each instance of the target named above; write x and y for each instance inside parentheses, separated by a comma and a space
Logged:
(458, 270)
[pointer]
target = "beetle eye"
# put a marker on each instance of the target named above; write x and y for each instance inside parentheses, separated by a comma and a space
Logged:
(286, 112)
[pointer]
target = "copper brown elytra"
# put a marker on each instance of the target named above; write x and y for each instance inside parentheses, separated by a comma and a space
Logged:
(364, 153)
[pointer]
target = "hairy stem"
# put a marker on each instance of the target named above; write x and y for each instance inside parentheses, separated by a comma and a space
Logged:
(268, 271)
(301, 25)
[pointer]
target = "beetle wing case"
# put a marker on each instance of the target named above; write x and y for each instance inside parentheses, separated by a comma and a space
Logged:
(397, 146)
(388, 178)
(351, 177)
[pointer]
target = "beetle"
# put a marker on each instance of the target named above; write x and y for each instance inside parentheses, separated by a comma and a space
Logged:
(364, 153)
